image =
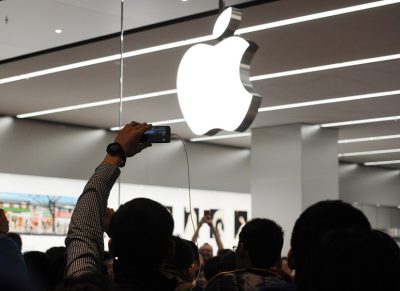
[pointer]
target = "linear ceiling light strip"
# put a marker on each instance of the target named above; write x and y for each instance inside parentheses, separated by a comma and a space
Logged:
(367, 153)
(361, 121)
(199, 39)
(316, 16)
(326, 67)
(99, 103)
(256, 78)
(365, 139)
(371, 138)
(60, 69)
(330, 100)
(107, 59)
(236, 135)
(163, 122)
(382, 163)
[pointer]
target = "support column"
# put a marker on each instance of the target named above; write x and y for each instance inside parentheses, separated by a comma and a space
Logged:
(292, 167)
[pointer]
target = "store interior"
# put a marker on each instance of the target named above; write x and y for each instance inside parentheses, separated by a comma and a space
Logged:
(327, 74)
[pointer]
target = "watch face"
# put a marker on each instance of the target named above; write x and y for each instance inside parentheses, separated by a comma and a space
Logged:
(114, 149)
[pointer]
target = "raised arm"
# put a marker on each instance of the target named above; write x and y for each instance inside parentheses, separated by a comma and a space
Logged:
(196, 233)
(215, 232)
(85, 235)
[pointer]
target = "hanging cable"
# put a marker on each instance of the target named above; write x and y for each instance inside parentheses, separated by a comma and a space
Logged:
(188, 178)
(190, 196)
(121, 84)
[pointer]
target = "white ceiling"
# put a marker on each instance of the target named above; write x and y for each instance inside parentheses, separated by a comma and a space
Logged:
(353, 36)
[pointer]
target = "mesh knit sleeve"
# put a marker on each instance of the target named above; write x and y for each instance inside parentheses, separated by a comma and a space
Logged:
(84, 241)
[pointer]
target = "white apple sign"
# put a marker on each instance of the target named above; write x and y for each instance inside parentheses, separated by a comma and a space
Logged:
(214, 90)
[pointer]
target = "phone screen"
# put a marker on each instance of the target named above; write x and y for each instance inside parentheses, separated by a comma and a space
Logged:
(157, 134)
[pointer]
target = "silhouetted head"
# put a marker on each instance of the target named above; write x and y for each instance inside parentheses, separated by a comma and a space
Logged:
(262, 239)
(183, 255)
(352, 260)
(37, 264)
(141, 233)
(17, 238)
(88, 282)
(315, 221)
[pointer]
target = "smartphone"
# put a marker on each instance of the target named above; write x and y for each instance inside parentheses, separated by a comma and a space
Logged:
(207, 213)
(157, 134)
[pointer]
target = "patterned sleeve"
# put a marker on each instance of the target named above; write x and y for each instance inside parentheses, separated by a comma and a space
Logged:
(84, 242)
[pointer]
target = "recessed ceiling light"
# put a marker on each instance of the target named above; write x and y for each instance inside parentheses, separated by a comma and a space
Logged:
(366, 153)
(371, 138)
(58, 30)
(382, 163)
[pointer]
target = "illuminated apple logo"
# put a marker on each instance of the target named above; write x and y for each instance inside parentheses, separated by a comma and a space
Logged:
(214, 90)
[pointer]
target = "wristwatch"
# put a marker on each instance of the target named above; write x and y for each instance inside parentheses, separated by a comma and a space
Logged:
(115, 149)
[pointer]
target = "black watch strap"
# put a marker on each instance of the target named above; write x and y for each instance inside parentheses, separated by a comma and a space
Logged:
(115, 149)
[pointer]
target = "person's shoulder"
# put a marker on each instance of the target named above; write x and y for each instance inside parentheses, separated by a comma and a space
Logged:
(224, 281)
(262, 279)
(278, 286)
(272, 281)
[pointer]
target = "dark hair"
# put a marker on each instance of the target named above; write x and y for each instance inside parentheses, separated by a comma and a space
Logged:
(141, 232)
(195, 250)
(88, 282)
(37, 265)
(17, 238)
(263, 240)
(223, 252)
(352, 260)
(54, 253)
(316, 220)
(211, 267)
(56, 270)
(183, 257)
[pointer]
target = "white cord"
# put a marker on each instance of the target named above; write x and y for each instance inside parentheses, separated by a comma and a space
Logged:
(188, 177)
(121, 84)
(190, 197)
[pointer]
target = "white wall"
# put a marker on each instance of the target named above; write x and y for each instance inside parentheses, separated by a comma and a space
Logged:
(369, 185)
(52, 150)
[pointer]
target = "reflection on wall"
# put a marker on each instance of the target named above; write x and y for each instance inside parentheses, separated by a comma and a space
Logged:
(191, 220)
(37, 214)
(48, 215)
(240, 221)
(218, 221)
(221, 204)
